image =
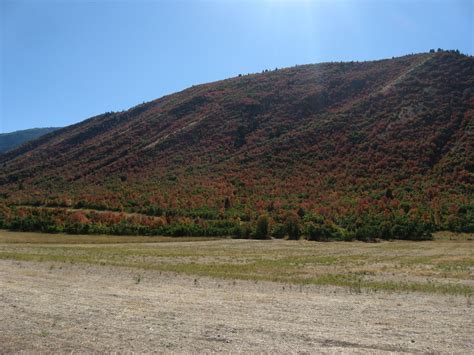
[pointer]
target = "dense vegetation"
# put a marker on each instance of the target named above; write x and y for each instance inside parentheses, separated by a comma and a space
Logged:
(332, 151)
(9, 141)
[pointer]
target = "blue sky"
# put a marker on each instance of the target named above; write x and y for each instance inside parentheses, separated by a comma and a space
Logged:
(63, 61)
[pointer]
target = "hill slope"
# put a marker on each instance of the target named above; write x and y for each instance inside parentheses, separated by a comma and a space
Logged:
(9, 141)
(351, 147)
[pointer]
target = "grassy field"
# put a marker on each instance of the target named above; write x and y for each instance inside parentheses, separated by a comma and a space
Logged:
(445, 265)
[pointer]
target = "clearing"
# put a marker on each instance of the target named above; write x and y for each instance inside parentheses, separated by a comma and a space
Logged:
(99, 293)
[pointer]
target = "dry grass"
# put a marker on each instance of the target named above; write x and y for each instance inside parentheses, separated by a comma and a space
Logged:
(56, 308)
(440, 266)
(453, 236)
(7, 237)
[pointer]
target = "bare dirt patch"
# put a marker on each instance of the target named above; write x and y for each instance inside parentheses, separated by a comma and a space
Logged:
(87, 308)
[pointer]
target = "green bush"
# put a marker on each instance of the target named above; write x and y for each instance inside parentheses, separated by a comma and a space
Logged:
(278, 231)
(367, 232)
(411, 230)
(242, 232)
(325, 232)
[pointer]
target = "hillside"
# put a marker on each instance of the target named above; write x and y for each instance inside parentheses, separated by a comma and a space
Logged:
(9, 141)
(344, 150)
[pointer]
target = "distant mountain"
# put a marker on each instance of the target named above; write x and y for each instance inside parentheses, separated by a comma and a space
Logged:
(9, 141)
(381, 148)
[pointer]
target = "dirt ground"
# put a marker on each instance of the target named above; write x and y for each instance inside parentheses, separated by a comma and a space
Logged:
(85, 308)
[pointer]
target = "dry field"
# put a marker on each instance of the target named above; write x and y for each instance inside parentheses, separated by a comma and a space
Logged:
(99, 293)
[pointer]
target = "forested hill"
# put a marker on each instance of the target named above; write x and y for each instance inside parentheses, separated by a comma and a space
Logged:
(9, 141)
(378, 149)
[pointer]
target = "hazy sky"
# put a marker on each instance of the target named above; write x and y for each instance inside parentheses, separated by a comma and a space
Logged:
(64, 61)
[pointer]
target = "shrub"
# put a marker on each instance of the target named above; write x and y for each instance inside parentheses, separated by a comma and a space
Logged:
(279, 231)
(367, 232)
(242, 232)
(412, 230)
(325, 232)
(154, 211)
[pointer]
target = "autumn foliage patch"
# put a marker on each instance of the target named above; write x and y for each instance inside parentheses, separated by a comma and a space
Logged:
(332, 151)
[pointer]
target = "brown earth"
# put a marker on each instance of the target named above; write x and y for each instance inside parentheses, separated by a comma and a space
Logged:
(63, 308)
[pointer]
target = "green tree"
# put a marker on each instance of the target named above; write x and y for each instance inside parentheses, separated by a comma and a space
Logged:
(301, 212)
(226, 203)
(261, 231)
(293, 228)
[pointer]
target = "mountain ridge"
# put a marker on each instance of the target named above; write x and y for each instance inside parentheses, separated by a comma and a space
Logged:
(12, 140)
